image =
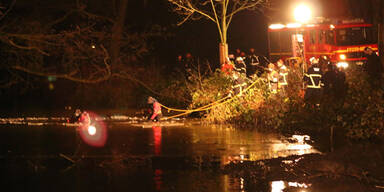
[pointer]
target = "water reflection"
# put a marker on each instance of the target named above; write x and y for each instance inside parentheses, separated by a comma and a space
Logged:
(161, 158)
(238, 146)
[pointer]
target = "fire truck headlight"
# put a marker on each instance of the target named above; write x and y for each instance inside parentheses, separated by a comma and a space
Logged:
(342, 56)
(342, 65)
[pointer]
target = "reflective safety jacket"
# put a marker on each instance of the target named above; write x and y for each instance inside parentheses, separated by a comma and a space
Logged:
(313, 77)
(238, 86)
(283, 76)
(273, 78)
(240, 67)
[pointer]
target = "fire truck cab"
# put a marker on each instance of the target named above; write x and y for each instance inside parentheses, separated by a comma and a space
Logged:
(341, 42)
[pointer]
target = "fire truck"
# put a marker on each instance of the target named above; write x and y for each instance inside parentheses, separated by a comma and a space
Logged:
(339, 41)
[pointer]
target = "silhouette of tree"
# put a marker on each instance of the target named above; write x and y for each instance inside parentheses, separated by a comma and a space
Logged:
(220, 12)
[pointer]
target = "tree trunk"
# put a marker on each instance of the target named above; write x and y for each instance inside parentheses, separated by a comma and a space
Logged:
(223, 50)
(380, 30)
(223, 46)
(117, 32)
(381, 42)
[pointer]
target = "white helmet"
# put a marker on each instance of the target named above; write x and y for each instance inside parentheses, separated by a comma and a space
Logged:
(313, 60)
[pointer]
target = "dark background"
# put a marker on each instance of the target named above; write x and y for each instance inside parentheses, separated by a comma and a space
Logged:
(248, 29)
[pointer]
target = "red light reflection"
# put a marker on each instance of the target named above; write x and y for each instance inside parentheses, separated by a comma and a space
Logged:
(157, 139)
(93, 133)
(158, 179)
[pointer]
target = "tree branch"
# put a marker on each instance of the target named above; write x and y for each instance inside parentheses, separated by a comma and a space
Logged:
(27, 47)
(8, 10)
(71, 75)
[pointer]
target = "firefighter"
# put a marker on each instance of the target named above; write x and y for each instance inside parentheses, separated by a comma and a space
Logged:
(81, 117)
(240, 66)
(155, 109)
(188, 66)
(273, 78)
(373, 67)
(283, 75)
(329, 80)
(341, 87)
(85, 119)
(239, 84)
(312, 79)
(253, 64)
(76, 116)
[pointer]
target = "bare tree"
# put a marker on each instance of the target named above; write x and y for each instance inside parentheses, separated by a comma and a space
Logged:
(85, 48)
(220, 12)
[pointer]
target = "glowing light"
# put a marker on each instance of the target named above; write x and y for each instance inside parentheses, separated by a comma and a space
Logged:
(342, 56)
(299, 38)
(293, 25)
(332, 26)
(276, 26)
(342, 65)
(277, 186)
(93, 46)
(302, 13)
(91, 130)
(95, 135)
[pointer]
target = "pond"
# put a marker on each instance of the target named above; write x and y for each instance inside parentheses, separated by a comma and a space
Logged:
(48, 154)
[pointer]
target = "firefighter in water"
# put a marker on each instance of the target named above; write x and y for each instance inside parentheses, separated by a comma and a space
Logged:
(273, 77)
(312, 80)
(283, 75)
(155, 114)
(81, 117)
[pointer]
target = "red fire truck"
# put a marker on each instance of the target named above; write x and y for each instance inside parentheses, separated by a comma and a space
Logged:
(341, 41)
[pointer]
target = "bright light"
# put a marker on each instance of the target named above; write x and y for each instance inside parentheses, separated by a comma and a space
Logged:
(91, 130)
(276, 26)
(93, 46)
(299, 38)
(332, 26)
(277, 186)
(342, 65)
(342, 56)
(293, 25)
(302, 13)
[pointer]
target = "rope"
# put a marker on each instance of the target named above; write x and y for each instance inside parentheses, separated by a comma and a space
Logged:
(206, 107)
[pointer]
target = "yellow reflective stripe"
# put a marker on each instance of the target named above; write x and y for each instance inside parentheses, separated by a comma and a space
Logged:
(284, 82)
(311, 76)
(239, 85)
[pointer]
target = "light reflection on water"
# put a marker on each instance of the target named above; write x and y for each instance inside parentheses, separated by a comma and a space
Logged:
(196, 141)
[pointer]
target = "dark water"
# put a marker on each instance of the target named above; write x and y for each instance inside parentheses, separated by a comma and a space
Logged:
(43, 154)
